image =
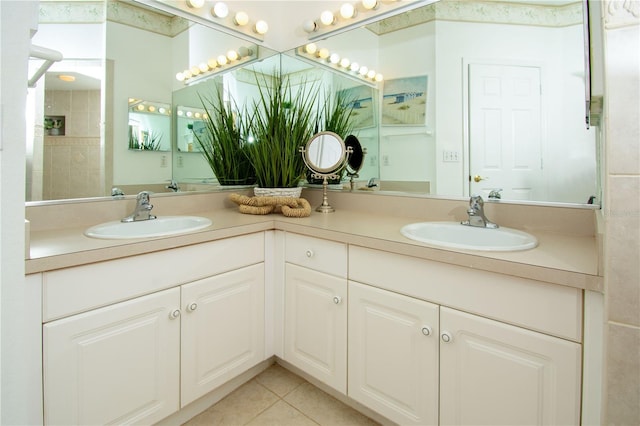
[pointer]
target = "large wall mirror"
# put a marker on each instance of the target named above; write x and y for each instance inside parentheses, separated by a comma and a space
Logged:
(471, 92)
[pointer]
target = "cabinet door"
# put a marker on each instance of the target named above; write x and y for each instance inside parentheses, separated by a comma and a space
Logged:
(498, 374)
(393, 354)
(315, 331)
(118, 364)
(222, 329)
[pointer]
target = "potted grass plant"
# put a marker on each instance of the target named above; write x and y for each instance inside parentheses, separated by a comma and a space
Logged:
(224, 141)
(283, 120)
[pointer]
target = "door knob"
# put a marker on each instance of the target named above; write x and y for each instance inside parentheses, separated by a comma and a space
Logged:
(478, 178)
(446, 336)
(426, 330)
(337, 300)
(174, 314)
(192, 306)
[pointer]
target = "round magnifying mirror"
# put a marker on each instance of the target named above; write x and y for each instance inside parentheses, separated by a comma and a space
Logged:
(357, 155)
(325, 152)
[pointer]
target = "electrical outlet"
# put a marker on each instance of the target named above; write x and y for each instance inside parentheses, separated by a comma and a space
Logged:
(180, 161)
(163, 161)
(385, 160)
(450, 156)
(373, 160)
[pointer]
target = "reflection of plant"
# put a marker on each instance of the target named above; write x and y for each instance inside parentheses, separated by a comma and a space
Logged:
(223, 141)
(283, 121)
(335, 116)
(152, 143)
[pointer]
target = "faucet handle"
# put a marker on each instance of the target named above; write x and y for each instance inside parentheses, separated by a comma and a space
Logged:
(495, 194)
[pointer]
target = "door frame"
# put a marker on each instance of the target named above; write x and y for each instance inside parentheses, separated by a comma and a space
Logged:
(466, 155)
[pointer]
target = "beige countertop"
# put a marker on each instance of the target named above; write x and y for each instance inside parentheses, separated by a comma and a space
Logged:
(570, 260)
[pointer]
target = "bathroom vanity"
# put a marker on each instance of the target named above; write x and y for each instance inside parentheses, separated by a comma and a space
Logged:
(141, 330)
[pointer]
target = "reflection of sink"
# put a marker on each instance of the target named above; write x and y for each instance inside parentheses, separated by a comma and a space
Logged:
(455, 235)
(162, 226)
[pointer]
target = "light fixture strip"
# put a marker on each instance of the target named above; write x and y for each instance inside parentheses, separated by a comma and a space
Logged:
(363, 16)
(315, 59)
(251, 56)
(203, 15)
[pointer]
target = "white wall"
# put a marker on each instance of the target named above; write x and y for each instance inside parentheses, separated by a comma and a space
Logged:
(20, 396)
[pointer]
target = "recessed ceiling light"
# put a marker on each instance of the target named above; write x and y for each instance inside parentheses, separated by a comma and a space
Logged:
(68, 78)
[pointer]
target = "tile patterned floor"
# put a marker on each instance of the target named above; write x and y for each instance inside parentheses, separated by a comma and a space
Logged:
(277, 397)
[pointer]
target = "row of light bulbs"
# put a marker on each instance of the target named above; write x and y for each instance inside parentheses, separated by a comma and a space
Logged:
(240, 19)
(347, 11)
(192, 114)
(142, 106)
(345, 64)
(215, 64)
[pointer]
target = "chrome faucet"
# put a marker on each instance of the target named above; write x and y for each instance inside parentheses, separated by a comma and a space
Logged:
(173, 186)
(372, 183)
(476, 214)
(143, 209)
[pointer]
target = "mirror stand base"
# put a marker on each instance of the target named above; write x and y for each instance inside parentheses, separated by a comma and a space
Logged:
(325, 207)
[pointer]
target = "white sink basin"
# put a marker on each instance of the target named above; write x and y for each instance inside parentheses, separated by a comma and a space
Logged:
(455, 235)
(159, 227)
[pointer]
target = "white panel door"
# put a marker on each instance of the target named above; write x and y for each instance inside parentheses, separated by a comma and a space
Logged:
(505, 131)
(222, 329)
(315, 324)
(114, 365)
(493, 373)
(393, 354)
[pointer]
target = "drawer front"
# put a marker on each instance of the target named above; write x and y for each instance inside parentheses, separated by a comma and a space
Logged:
(536, 305)
(73, 290)
(321, 255)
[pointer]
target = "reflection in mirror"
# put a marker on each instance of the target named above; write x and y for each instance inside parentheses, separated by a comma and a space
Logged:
(149, 125)
(189, 125)
(356, 159)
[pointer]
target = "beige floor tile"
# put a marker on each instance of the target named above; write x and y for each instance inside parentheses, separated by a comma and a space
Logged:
(279, 380)
(238, 408)
(323, 408)
(282, 414)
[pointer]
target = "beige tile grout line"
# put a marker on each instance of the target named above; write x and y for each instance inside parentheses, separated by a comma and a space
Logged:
(280, 399)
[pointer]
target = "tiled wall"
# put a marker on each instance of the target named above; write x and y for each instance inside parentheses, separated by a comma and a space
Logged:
(72, 163)
(622, 211)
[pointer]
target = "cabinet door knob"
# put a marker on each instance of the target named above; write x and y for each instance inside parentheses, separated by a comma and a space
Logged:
(192, 307)
(426, 330)
(337, 300)
(446, 336)
(309, 253)
(174, 314)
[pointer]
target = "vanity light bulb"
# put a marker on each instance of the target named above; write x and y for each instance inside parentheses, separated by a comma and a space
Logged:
(196, 4)
(379, 77)
(241, 19)
(180, 76)
(334, 58)
(309, 26)
(347, 11)
(363, 70)
(140, 107)
(232, 55)
(344, 63)
(369, 4)
(371, 74)
(162, 110)
(189, 114)
(180, 113)
(311, 48)
(187, 74)
(203, 67)
(261, 27)
(327, 17)
(212, 63)
(152, 108)
(220, 10)
(222, 60)
(195, 70)
(204, 116)
(354, 67)
(198, 115)
(323, 53)
(244, 51)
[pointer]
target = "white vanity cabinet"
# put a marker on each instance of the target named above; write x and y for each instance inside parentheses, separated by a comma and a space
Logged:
(222, 329)
(118, 364)
(484, 349)
(315, 312)
(139, 358)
